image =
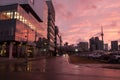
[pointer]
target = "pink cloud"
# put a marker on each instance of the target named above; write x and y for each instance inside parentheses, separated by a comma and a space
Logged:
(81, 19)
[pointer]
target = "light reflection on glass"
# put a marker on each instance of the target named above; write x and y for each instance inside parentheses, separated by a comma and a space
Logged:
(9, 15)
(44, 66)
(16, 67)
(24, 21)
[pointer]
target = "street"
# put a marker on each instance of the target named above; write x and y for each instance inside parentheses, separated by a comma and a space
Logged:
(58, 68)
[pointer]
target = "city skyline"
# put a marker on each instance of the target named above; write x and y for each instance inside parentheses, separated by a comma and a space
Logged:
(79, 20)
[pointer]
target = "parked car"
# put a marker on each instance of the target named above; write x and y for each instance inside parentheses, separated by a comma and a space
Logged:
(94, 55)
(114, 57)
(105, 57)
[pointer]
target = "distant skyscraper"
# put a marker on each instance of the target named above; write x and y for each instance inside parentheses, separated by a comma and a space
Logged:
(92, 44)
(106, 47)
(83, 46)
(101, 45)
(118, 47)
(96, 44)
(114, 45)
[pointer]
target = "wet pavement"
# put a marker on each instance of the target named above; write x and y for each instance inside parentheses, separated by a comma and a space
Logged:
(58, 68)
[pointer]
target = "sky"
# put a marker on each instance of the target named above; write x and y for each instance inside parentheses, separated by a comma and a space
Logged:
(79, 20)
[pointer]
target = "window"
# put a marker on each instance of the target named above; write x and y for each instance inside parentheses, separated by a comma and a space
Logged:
(6, 15)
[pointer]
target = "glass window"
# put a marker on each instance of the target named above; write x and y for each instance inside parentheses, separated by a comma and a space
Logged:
(3, 16)
(24, 21)
(6, 15)
(11, 15)
(12, 31)
(16, 16)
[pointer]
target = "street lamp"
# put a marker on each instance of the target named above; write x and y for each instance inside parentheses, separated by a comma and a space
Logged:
(76, 50)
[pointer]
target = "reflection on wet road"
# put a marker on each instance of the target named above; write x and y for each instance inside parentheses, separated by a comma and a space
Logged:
(15, 67)
(31, 66)
(59, 68)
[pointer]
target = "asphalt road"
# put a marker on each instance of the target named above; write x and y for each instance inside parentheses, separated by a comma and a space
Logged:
(57, 68)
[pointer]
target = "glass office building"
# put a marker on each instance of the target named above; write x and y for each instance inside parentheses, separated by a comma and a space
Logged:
(21, 25)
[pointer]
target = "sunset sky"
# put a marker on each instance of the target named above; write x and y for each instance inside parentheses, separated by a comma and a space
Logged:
(79, 20)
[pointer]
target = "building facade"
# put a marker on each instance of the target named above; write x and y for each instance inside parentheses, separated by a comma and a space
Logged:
(114, 45)
(92, 44)
(106, 47)
(20, 23)
(51, 28)
(95, 44)
(83, 46)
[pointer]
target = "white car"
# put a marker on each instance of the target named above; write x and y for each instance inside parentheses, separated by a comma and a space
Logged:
(95, 55)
